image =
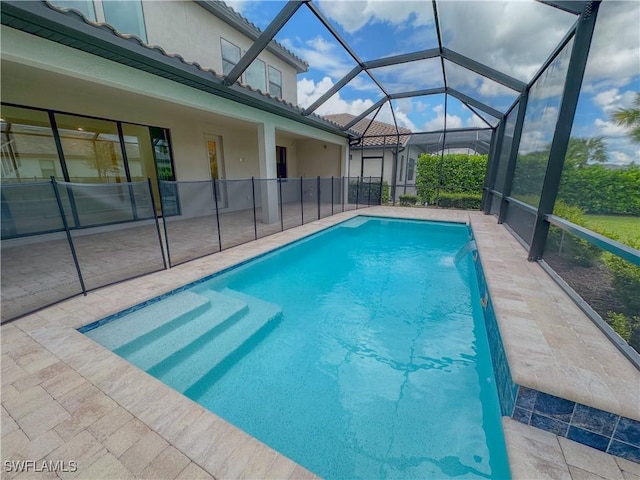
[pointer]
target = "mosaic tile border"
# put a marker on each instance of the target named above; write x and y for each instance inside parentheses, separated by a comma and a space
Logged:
(604, 431)
(590, 426)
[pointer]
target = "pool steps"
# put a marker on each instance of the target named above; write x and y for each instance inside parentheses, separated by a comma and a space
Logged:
(151, 348)
(167, 313)
(184, 367)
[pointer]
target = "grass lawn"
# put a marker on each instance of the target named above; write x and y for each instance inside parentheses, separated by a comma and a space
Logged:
(627, 228)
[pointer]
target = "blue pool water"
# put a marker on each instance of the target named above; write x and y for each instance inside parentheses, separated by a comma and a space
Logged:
(360, 352)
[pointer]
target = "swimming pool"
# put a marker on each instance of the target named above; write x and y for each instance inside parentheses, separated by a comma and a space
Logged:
(359, 352)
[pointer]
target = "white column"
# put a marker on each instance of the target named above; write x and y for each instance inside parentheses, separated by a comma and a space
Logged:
(344, 169)
(267, 162)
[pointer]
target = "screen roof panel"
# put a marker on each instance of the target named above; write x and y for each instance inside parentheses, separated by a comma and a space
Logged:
(410, 76)
(481, 88)
(376, 29)
(306, 36)
(354, 98)
(513, 37)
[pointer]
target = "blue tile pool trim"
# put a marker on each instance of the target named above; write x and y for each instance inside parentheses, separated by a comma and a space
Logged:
(596, 428)
(507, 390)
(604, 431)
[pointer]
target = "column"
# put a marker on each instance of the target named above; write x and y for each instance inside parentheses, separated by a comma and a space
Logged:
(268, 170)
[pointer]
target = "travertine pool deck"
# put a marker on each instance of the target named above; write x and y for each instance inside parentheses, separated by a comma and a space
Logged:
(65, 398)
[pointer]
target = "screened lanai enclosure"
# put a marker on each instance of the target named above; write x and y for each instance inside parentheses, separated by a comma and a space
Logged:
(525, 110)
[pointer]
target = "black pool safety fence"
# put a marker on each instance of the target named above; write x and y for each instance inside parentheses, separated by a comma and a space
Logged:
(62, 239)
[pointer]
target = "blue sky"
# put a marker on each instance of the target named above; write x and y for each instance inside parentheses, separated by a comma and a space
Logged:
(514, 37)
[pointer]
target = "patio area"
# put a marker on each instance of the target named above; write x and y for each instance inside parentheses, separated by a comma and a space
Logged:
(66, 398)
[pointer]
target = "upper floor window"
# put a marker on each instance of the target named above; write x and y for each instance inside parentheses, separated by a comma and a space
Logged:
(411, 169)
(256, 75)
(275, 82)
(126, 16)
(83, 6)
(230, 56)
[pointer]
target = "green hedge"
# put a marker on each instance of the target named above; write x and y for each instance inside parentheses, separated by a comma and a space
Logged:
(408, 199)
(440, 177)
(462, 200)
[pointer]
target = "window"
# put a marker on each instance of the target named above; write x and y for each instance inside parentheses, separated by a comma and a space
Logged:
(256, 75)
(85, 7)
(281, 159)
(126, 16)
(29, 151)
(230, 56)
(92, 149)
(275, 82)
(411, 165)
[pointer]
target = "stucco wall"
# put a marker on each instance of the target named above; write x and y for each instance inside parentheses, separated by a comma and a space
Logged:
(318, 159)
(80, 83)
(185, 28)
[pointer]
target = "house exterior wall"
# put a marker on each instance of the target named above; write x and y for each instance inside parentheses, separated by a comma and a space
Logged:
(84, 84)
(372, 166)
(185, 28)
(318, 159)
(189, 30)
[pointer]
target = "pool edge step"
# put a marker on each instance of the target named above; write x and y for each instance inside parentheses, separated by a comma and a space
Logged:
(147, 351)
(183, 373)
(174, 309)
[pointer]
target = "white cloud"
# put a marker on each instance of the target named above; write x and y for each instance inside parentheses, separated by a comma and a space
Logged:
(605, 128)
(437, 123)
(238, 5)
(354, 15)
(619, 158)
(328, 58)
(309, 91)
(611, 100)
(513, 37)
(613, 57)
(402, 118)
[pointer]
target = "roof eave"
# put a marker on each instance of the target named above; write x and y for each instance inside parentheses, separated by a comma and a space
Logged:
(68, 28)
(227, 15)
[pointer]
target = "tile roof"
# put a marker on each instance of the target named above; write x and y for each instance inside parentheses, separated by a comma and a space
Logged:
(376, 128)
(177, 60)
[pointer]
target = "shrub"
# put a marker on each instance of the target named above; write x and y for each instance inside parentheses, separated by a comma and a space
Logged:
(626, 280)
(408, 199)
(455, 173)
(577, 250)
(463, 200)
(364, 192)
(386, 197)
(621, 324)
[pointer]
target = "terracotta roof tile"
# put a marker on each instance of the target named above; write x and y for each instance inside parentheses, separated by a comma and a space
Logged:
(376, 128)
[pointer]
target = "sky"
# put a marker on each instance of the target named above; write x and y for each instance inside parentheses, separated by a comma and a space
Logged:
(514, 37)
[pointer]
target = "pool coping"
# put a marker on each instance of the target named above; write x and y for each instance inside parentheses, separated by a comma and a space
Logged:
(167, 413)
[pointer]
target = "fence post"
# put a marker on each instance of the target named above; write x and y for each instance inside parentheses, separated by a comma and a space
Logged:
(332, 197)
(279, 180)
(342, 188)
(369, 193)
(301, 201)
(255, 222)
(164, 222)
(69, 239)
(381, 187)
(215, 201)
(318, 191)
(357, 191)
(155, 217)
